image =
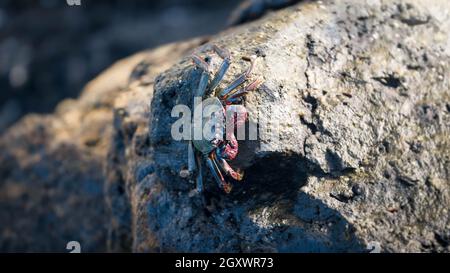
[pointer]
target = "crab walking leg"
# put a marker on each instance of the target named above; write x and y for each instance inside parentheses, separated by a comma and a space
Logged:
(234, 96)
(212, 163)
(201, 90)
(200, 62)
(204, 78)
(219, 76)
(225, 55)
(225, 185)
(191, 158)
(239, 80)
(222, 52)
(230, 149)
(199, 179)
(214, 170)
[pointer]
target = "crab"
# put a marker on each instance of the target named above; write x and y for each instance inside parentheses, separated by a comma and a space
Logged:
(223, 147)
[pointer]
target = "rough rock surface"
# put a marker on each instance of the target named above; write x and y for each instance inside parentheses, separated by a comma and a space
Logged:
(52, 178)
(360, 90)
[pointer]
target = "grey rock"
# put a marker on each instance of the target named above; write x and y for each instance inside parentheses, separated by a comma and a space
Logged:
(353, 93)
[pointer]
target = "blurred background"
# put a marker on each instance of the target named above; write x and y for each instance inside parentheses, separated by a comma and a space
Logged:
(50, 50)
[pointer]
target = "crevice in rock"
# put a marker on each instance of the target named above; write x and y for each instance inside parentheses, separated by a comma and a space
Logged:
(389, 80)
(334, 160)
(276, 176)
(443, 240)
(341, 197)
(409, 15)
(311, 101)
(311, 126)
(310, 47)
(117, 200)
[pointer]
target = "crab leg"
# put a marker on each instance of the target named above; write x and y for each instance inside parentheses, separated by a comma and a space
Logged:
(234, 96)
(202, 85)
(199, 179)
(229, 150)
(191, 158)
(211, 161)
(214, 170)
(225, 55)
(239, 80)
(200, 62)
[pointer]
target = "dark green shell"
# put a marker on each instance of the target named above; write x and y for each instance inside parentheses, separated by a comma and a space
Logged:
(205, 146)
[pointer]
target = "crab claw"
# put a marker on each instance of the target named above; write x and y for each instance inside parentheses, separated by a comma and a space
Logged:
(236, 175)
(237, 115)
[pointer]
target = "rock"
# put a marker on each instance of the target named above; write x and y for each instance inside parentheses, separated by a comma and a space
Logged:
(352, 92)
(51, 169)
(360, 94)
